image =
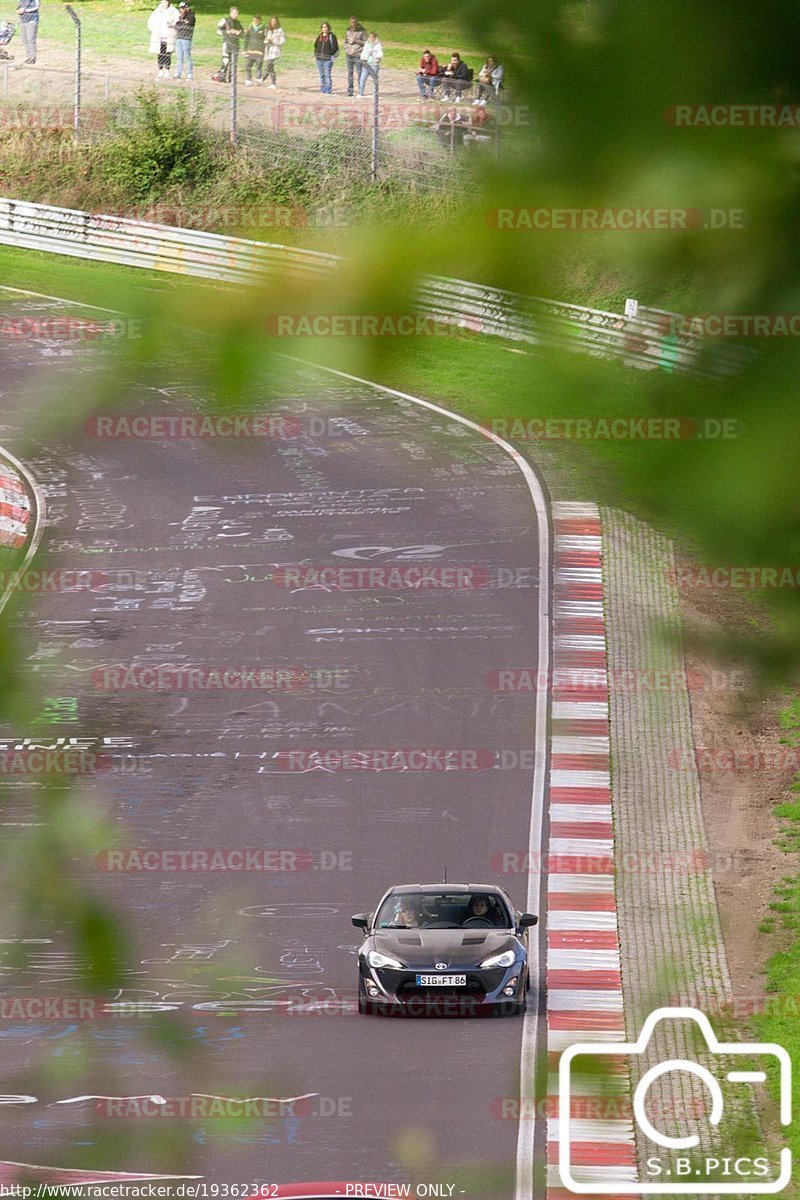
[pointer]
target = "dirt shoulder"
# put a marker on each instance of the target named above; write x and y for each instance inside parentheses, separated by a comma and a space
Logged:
(744, 772)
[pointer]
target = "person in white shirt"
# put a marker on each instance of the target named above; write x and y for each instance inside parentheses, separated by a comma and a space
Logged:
(371, 57)
(274, 41)
(161, 24)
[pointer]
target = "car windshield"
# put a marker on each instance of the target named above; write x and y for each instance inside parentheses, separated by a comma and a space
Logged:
(443, 910)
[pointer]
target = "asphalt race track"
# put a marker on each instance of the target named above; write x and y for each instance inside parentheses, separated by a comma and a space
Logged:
(190, 532)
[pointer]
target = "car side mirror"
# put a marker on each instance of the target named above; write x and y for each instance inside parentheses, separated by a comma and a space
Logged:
(527, 919)
(361, 921)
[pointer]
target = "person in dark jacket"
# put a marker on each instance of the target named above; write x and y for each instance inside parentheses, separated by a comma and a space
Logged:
(254, 41)
(354, 39)
(326, 49)
(184, 32)
(427, 74)
(455, 76)
(231, 31)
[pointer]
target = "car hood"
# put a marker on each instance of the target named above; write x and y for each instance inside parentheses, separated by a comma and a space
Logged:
(462, 948)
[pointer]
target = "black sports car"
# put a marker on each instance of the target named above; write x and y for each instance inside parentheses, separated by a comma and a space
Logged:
(444, 948)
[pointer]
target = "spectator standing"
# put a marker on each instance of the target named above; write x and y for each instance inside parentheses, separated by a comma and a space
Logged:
(354, 40)
(161, 24)
(28, 13)
(254, 42)
(371, 56)
(326, 49)
(231, 31)
(490, 78)
(184, 32)
(427, 75)
(455, 76)
(275, 42)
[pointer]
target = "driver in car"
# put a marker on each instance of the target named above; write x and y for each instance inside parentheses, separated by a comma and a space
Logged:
(408, 913)
(481, 910)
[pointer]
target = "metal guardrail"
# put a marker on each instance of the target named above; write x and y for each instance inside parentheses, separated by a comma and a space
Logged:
(644, 340)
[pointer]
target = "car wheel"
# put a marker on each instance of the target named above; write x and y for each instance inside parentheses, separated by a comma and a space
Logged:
(362, 1002)
(527, 981)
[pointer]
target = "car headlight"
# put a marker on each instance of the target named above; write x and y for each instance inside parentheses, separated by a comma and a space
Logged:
(376, 959)
(506, 959)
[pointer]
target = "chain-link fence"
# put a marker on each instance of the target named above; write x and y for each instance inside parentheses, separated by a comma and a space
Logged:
(428, 142)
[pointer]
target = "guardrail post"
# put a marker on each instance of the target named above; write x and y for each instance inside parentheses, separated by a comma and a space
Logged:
(76, 118)
(234, 94)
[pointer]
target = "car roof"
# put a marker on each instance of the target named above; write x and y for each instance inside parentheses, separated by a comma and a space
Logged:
(439, 888)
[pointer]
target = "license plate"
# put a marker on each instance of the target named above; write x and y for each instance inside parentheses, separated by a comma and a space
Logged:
(441, 981)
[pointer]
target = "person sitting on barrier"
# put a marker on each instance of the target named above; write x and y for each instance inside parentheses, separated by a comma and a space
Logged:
(455, 77)
(276, 39)
(231, 30)
(481, 124)
(490, 78)
(254, 42)
(427, 74)
(371, 56)
(451, 128)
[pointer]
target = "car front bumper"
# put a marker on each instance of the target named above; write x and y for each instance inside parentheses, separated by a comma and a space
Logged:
(486, 991)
